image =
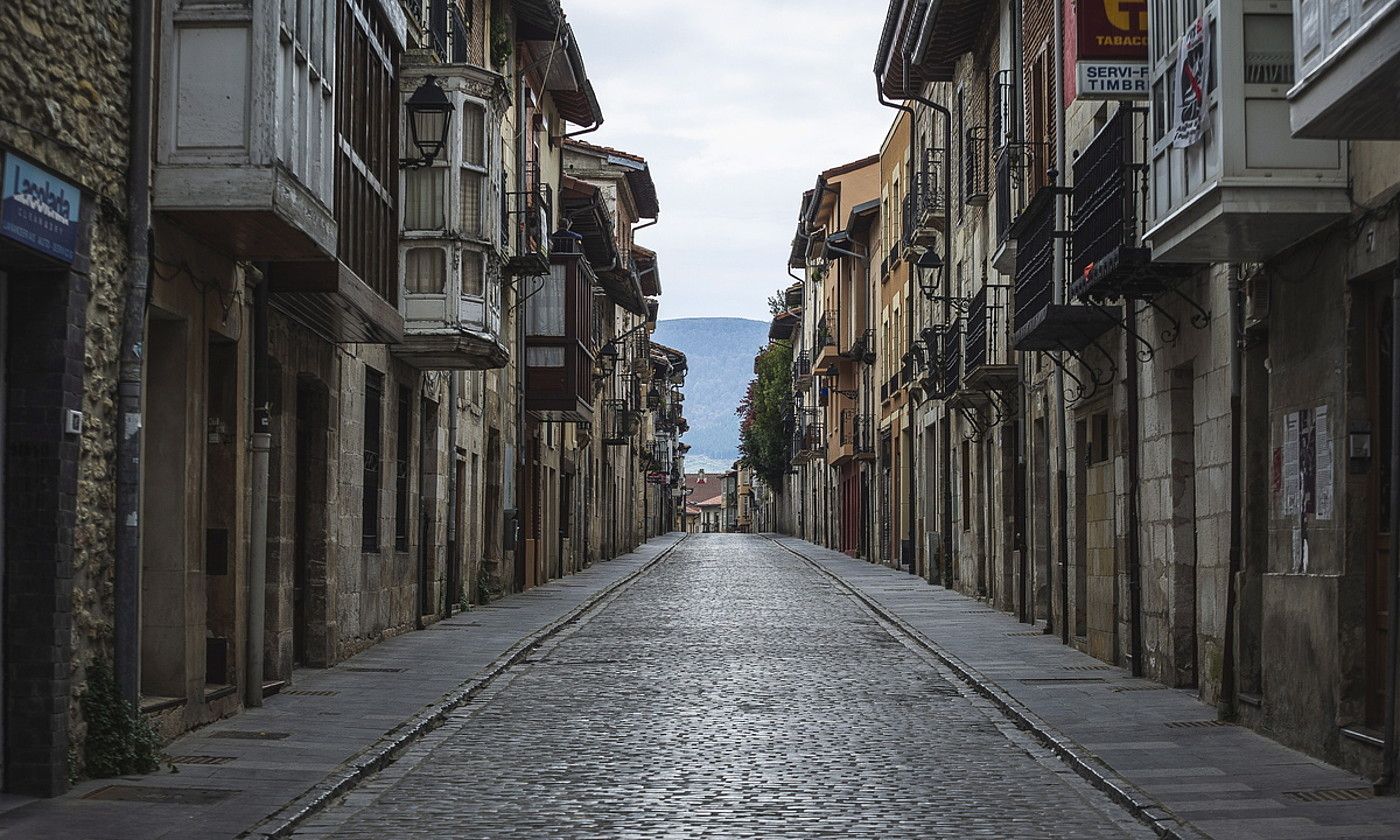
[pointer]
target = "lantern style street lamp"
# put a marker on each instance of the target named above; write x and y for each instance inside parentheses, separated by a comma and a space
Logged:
(429, 119)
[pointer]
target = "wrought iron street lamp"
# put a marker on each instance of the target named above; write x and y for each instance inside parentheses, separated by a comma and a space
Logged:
(429, 119)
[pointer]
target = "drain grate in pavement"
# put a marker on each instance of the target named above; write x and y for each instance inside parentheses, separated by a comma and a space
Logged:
(1026, 633)
(374, 670)
(247, 735)
(1333, 795)
(1197, 724)
(1060, 680)
(160, 795)
(978, 612)
(307, 692)
(1143, 687)
(1088, 667)
(200, 759)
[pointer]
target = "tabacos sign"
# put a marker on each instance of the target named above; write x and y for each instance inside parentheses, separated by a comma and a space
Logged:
(1110, 50)
(39, 210)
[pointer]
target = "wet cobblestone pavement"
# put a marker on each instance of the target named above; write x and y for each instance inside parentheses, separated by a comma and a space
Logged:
(733, 691)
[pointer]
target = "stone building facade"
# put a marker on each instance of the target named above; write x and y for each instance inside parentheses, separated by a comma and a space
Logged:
(1150, 390)
(327, 423)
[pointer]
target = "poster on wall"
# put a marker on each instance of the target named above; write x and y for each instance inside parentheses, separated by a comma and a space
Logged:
(1192, 85)
(1323, 472)
(1108, 39)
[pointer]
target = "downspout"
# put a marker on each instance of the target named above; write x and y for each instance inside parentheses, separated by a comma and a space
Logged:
(521, 148)
(1058, 298)
(1389, 760)
(1228, 678)
(1132, 376)
(948, 545)
(454, 558)
(261, 448)
(127, 577)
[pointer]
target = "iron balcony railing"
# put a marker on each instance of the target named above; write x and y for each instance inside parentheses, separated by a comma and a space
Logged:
(1035, 261)
(802, 365)
(925, 201)
(1109, 197)
(975, 162)
(826, 329)
(857, 431)
(947, 367)
(987, 340)
(862, 348)
(528, 214)
(1022, 169)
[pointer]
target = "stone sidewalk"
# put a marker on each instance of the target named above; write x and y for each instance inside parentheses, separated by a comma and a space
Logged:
(258, 772)
(1158, 750)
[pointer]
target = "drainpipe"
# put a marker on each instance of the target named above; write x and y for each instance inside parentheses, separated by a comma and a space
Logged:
(1132, 376)
(1386, 783)
(454, 558)
(1228, 678)
(127, 578)
(948, 546)
(1058, 292)
(261, 448)
(521, 147)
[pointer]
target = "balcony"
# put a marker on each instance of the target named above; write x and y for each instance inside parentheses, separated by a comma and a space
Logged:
(1245, 189)
(1038, 322)
(946, 370)
(229, 167)
(277, 173)
(451, 271)
(1108, 258)
(827, 353)
(857, 437)
(801, 369)
(975, 158)
(809, 436)
(559, 348)
(990, 364)
(1349, 59)
(620, 422)
(861, 348)
(925, 210)
(529, 214)
(1021, 171)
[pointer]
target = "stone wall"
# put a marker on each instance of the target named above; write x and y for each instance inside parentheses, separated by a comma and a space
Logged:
(65, 104)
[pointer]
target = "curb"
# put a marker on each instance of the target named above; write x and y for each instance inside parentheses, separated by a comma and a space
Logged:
(282, 822)
(1149, 811)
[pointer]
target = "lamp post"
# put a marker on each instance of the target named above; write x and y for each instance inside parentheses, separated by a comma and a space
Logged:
(429, 120)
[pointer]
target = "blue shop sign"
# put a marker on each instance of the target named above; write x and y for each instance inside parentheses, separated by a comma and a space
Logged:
(40, 210)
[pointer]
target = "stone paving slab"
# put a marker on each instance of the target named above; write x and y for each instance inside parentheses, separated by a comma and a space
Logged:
(326, 736)
(1220, 781)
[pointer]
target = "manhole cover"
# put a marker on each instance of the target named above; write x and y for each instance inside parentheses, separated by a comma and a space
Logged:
(374, 670)
(303, 692)
(246, 735)
(160, 795)
(1197, 724)
(200, 759)
(1334, 795)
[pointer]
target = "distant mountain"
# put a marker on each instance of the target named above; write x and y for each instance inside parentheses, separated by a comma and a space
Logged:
(720, 352)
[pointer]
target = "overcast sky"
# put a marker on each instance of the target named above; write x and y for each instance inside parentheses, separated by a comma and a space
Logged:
(737, 105)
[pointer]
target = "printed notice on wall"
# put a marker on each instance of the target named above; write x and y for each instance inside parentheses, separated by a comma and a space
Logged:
(1322, 441)
(1292, 476)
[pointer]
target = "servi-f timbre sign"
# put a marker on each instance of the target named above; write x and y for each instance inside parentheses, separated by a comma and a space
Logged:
(1110, 57)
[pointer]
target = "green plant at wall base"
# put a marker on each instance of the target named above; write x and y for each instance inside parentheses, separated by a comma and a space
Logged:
(765, 431)
(119, 739)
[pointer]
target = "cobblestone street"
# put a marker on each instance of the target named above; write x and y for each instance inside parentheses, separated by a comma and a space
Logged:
(732, 691)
